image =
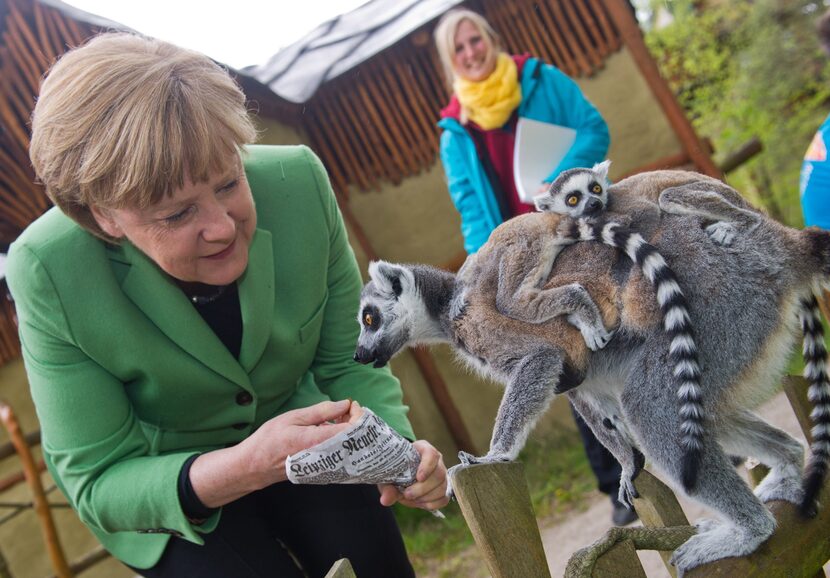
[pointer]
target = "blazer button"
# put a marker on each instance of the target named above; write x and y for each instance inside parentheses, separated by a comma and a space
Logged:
(240, 425)
(244, 398)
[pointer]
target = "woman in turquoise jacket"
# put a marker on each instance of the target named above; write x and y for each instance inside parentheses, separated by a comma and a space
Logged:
(491, 91)
(546, 95)
(187, 321)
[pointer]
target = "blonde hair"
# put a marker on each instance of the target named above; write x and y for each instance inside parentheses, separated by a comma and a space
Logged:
(124, 120)
(444, 36)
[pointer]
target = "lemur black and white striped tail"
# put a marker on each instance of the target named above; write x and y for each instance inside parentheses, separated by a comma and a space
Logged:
(683, 351)
(815, 371)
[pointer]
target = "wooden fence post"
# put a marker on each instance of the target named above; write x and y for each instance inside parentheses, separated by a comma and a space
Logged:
(496, 504)
(620, 560)
(658, 507)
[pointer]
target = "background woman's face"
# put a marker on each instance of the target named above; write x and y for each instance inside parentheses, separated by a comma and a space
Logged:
(201, 233)
(474, 58)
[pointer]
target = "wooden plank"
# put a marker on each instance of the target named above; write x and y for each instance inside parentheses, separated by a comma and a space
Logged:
(620, 560)
(658, 507)
(335, 129)
(367, 142)
(412, 97)
(330, 160)
(50, 52)
(26, 36)
(620, 12)
(407, 121)
(496, 504)
(582, 33)
(341, 569)
(47, 524)
(537, 26)
(611, 35)
(401, 137)
(589, 19)
(582, 64)
(529, 41)
(566, 61)
(24, 62)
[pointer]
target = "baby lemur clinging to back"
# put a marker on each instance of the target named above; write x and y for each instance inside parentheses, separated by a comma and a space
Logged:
(742, 299)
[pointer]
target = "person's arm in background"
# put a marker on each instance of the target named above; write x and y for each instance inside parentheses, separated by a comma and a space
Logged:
(575, 111)
(815, 180)
(339, 376)
(475, 226)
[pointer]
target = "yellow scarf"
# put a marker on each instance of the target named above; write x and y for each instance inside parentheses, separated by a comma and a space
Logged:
(490, 102)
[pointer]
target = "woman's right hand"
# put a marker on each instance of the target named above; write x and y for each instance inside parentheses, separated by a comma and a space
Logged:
(293, 431)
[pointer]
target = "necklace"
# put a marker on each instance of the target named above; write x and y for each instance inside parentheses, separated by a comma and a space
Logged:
(207, 294)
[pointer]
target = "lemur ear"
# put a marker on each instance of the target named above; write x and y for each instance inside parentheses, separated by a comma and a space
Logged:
(387, 276)
(602, 169)
(543, 202)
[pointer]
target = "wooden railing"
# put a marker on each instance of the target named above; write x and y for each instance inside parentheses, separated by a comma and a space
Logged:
(496, 504)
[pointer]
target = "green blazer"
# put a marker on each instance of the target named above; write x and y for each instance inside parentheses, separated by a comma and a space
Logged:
(129, 381)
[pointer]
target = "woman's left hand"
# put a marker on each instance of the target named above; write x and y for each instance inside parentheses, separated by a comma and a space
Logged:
(430, 489)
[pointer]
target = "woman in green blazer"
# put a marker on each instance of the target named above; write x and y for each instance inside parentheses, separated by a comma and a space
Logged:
(187, 319)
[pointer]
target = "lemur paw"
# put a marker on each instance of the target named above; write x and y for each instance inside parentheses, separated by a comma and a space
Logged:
(627, 491)
(722, 233)
(596, 336)
(777, 487)
(716, 540)
(468, 459)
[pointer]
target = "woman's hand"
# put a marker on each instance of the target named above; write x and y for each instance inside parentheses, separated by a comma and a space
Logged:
(293, 431)
(429, 491)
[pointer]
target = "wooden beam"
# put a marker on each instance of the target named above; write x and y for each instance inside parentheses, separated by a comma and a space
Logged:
(496, 505)
(632, 36)
(41, 505)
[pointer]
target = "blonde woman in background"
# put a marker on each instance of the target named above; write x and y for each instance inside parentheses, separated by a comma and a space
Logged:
(491, 91)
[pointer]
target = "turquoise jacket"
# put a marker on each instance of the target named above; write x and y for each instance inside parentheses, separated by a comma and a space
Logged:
(548, 95)
(129, 381)
(815, 180)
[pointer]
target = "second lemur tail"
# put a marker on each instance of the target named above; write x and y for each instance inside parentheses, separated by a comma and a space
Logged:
(677, 323)
(815, 371)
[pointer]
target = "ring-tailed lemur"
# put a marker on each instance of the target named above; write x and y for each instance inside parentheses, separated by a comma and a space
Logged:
(582, 192)
(742, 298)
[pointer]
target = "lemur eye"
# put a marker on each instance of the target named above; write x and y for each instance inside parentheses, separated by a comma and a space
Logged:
(573, 200)
(367, 319)
(596, 189)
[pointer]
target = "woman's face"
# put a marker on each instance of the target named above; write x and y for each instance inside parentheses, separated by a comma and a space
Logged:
(201, 233)
(474, 59)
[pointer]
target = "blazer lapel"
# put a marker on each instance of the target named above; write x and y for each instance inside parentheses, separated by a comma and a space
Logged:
(168, 308)
(256, 297)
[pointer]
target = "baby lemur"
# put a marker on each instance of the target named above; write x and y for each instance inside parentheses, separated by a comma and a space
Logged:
(742, 297)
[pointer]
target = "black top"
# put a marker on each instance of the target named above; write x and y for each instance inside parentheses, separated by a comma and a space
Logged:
(224, 316)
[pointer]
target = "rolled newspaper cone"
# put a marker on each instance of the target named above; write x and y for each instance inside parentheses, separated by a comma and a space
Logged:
(370, 452)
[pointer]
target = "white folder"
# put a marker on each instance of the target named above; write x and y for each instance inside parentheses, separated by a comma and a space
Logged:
(539, 148)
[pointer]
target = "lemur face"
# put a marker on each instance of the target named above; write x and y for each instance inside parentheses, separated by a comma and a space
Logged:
(384, 318)
(577, 192)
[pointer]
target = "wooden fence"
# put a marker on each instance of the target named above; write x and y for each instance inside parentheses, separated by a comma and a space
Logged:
(496, 504)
